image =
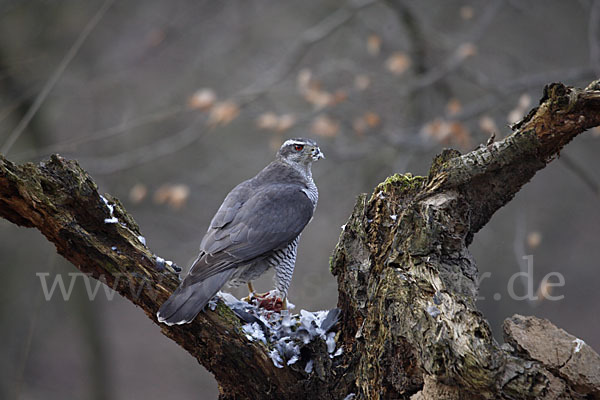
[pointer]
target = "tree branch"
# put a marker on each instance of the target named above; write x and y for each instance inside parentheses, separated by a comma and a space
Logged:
(62, 201)
(407, 281)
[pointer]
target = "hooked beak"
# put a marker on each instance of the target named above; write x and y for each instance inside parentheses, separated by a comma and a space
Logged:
(317, 154)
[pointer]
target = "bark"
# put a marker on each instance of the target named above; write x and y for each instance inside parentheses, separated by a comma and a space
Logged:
(406, 280)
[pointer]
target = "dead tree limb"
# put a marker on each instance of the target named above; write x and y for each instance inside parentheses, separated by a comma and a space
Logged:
(406, 279)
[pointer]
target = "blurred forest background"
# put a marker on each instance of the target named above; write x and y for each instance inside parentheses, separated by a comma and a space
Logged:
(169, 104)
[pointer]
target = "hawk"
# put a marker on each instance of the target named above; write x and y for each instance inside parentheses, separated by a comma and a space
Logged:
(256, 228)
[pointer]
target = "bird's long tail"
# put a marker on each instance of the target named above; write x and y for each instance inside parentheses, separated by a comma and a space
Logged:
(186, 302)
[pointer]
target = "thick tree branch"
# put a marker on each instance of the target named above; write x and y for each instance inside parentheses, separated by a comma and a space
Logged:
(406, 279)
(62, 201)
(407, 282)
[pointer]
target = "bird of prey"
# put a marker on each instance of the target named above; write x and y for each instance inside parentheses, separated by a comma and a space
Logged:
(256, 228)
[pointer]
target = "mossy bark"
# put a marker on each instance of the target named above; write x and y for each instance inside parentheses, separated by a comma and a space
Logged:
(406, 280)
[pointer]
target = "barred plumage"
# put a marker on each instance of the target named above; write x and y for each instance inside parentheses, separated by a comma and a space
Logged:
(284, 262)
(256, 228)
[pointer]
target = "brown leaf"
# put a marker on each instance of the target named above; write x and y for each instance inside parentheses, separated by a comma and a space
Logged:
(268, 120)
(174, 195)
(519, 111)
(365, 122)
(273, 122)
(285, 122)
(161, 195)
(454, 106)
(398, 63)
(487, 124)
(544, 290)
(467, 12)
(460, 135)
(524, 101)
(323, 125)
(339, 96)
(318, 98)
(448, 132)
(138, 193)
(202, 99)
(223, 113)
(437, 129)
(360, 126)
(466, 50)
(373, 44)
(179, 196)
(372, 119)
(514, 116)
(303, 80)
(362, 82)
(534, 239)
(311, 90)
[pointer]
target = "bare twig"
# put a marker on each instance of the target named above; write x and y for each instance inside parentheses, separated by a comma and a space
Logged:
(141, 155)
(521, 256)
(41, 97)
(71, 144)
(20, 367)
(18, 102)
(178, 141)
(580, 173)
(497, 91)
(460, 53)
(307, 39)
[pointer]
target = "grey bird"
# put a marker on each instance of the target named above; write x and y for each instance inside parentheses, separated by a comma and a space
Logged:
(256, 228)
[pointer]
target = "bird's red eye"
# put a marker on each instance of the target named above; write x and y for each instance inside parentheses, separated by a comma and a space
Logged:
(298, 147)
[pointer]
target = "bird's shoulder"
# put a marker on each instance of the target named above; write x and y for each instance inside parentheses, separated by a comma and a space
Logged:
(275, 180)
(279, 172)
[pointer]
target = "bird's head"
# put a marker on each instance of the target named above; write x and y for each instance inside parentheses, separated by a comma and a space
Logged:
(300, 151)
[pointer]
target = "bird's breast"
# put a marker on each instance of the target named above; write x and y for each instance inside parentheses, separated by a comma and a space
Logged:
(312, 193)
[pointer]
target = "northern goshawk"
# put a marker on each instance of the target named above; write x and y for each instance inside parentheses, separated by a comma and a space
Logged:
(256, 228)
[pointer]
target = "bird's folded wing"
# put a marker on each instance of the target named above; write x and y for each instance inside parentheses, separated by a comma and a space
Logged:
(272, 217)
(232, 203)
